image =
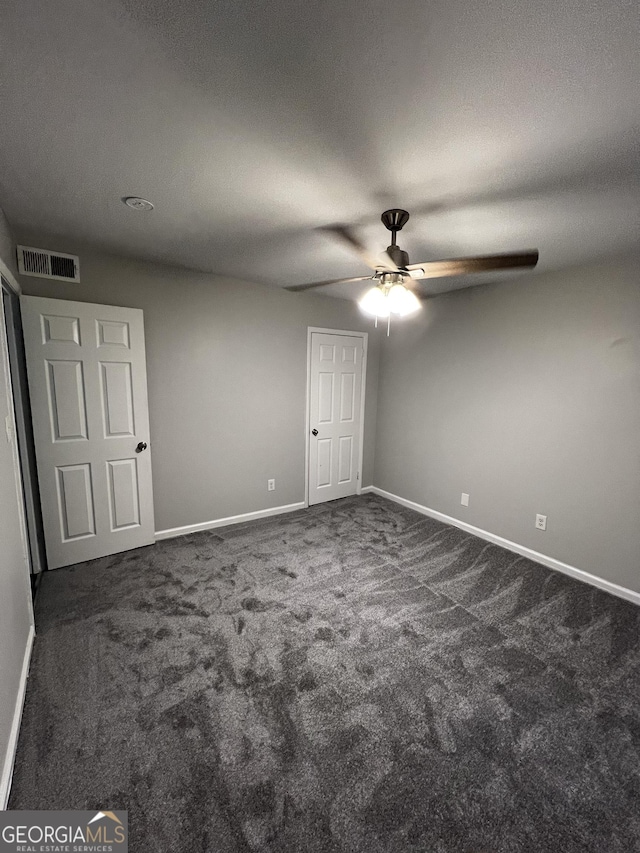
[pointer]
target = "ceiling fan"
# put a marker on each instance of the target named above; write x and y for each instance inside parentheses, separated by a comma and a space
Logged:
(394, 275)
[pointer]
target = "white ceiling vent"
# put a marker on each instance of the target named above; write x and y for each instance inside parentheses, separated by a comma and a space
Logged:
(45, 264)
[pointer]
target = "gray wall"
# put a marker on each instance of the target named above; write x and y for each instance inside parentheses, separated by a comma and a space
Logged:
(526, 395)
(227, 368)
(15, 596)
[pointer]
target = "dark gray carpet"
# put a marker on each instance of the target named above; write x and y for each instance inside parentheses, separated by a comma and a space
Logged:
(354, 677)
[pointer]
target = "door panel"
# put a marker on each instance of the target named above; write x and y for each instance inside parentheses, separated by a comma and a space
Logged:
(349, 355)
(323, 477)
(347, 397)
(113, 333)
(60, 329)
(327, 352)
(75, 501)
(345, 462)
(66, 400)
(87, 384)
(123, 492)
(325, 398)
(335, 414)
(117, 398)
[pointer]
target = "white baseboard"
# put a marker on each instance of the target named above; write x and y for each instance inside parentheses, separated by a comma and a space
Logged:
(10, 757)
(549, 562)
(232, 519)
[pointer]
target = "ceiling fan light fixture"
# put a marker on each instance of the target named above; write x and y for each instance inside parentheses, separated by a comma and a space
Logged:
(389, 297)
(402, 301)
(375, 303)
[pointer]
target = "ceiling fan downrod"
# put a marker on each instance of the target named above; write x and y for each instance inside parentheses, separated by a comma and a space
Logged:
(394, 220)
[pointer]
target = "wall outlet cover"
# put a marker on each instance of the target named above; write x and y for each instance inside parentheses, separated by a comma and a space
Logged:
(464, 499)
(271, 485)
(541, 522)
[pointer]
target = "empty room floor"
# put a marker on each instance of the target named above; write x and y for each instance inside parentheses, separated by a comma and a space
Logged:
(352, 677)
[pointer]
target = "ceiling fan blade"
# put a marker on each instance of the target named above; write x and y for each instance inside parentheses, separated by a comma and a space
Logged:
(348, 236)
(464, 266)
(297, 288)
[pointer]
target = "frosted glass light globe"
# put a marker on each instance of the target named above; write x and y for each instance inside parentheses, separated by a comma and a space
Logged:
(402, 301)
(375, 303)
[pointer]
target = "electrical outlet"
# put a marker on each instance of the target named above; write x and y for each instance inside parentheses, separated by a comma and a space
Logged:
(541, 522)
(464, 499)
(271, 485)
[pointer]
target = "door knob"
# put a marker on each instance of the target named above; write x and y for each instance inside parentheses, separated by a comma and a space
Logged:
(142, 446)
(314, 432)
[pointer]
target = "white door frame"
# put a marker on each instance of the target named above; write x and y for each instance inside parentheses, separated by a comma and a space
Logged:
(26, 450)
(365, 341)
(20, 486)
(7, 761)
(10, 278)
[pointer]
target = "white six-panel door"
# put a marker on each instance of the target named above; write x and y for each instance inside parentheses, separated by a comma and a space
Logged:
(88, 389)
(335, 389)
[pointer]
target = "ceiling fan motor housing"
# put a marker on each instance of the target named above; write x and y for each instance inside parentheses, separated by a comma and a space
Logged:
(398, 256)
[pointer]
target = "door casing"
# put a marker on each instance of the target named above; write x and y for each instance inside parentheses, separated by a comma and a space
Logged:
(33, 542)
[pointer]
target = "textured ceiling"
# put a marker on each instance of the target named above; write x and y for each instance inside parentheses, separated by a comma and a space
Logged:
(499, 124)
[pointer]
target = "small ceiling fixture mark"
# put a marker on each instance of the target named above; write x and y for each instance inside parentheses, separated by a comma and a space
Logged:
(137, 203)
